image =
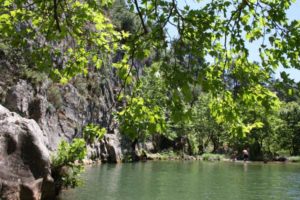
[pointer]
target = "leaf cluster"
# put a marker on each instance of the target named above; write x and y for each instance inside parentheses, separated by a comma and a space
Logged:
(140, 119)
(92, 132)
(66, 163)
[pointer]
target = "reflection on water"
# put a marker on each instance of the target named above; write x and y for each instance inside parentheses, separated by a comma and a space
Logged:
(188, 181)
(245, 166)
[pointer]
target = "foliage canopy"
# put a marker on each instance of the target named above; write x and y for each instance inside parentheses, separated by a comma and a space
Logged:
(66, 38)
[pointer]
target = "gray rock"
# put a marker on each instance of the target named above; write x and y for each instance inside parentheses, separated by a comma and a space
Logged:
(113, 146)
(84, 100)
(24, 159)
(19, 97)
(147, 146)
(94, 151)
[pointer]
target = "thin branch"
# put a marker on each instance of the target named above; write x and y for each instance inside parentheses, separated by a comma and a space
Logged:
(55, 2)
(141, 17)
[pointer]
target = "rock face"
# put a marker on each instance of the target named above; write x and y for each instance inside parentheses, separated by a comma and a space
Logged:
(61, 111)
(113, 147)
(24, 159)
(19, 97)
(44, 114)
(109, 149)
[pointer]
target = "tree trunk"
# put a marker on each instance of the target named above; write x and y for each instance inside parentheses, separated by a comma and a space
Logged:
(134, 155)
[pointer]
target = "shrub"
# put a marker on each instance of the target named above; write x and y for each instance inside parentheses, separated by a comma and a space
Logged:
(193, 144)
(81, 85)
(91, 132)
(212, 157)
(294, 158)
(54, 96)
(67, 163)
(35, 77)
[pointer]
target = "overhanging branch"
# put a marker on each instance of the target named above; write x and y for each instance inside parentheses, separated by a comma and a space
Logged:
(141, 16)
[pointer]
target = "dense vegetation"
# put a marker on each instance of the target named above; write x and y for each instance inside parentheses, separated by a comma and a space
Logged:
(198, 84)
(65, 170)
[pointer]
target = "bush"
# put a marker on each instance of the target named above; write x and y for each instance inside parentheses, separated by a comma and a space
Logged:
(54, 96)
(127, 158)
(212, 157)
(67, 163)
(294, 159)
(81, 85)
(193, 144)
(168, 154)
(35, 77)
(91, 132)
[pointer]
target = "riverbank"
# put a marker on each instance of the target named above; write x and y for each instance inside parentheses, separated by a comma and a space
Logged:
(210, 157)
(174, 156)
(214, 157)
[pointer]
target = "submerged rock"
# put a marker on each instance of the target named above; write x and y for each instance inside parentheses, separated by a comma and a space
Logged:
(24, 159)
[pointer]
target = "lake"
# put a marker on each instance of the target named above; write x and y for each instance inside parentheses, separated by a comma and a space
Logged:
(188, 180)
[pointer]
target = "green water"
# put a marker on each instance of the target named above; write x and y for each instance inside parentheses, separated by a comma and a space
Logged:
(188, 181)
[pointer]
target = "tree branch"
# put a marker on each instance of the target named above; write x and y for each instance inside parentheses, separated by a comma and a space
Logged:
(55, 2)
(141, 17)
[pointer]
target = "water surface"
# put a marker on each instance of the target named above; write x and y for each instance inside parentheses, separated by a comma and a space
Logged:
(179, 180)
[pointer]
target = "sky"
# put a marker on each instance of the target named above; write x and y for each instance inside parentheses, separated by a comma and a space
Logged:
(293, 14)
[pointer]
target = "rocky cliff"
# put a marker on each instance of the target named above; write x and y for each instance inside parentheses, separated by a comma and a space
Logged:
(43, 114)
(61, 111)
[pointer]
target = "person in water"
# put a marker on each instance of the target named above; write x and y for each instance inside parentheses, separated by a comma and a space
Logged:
(245, 155)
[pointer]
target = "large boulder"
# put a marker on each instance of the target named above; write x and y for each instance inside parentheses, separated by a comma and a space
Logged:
(24, 159)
